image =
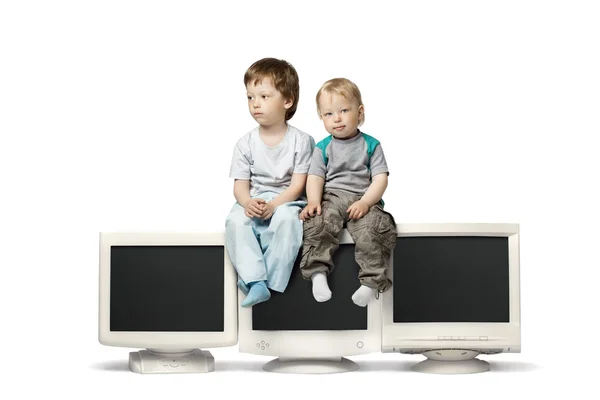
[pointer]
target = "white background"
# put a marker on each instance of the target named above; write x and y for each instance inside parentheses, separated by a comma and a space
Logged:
(122, 116)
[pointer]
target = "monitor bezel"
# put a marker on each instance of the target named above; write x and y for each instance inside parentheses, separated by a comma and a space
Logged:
(415, 337)
(166, 340)
(311, 343)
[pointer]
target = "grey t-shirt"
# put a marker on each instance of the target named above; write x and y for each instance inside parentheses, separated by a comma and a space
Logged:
(346, 168)
(270, 169)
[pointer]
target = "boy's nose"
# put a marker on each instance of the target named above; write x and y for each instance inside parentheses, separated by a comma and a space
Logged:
(338, 117)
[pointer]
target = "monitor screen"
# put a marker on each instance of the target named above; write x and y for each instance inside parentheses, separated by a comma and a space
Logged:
(451, 279)
(297, 310)
(167, 288)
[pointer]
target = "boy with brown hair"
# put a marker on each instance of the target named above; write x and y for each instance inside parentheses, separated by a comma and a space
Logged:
(269, 167)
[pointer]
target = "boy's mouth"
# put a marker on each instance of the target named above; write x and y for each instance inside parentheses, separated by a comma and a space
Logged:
(339, 128)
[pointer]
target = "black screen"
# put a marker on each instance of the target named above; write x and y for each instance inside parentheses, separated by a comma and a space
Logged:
(167, 288)
(451, 279)
(296, 308)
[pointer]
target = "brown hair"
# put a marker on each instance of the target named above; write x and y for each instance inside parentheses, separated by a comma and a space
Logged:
(343, 87)
(284, 77)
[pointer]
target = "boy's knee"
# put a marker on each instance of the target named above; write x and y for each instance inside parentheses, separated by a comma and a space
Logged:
(322, 228)
(373, 230)
(284, 213)
(313, 227)
(237, 218)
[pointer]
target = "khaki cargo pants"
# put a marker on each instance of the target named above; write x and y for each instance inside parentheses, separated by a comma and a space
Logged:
(374, 236)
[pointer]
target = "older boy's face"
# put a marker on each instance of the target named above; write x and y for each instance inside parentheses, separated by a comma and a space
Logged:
(339, 115)
(266, 104)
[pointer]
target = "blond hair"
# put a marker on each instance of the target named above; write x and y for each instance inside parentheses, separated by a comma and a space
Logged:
(284, 78)
(343, 87)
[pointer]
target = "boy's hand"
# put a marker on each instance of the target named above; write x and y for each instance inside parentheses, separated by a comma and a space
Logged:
(358, 210)
(255, 208)
(309, 211)
(268, 211)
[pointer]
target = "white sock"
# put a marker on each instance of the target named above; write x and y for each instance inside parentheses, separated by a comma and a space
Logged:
(320, 287)
(363, 295)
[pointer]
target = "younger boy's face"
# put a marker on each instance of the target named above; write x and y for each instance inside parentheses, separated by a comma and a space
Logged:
(266, 104)
(339, 115)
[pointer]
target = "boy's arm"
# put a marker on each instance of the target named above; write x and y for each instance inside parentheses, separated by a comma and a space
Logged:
(292, 192)
(379, 178)
(314, 186)
(253, 208)
(240, 171)
(314, 189)
(375, 191)
(314, 194)
(241, 191)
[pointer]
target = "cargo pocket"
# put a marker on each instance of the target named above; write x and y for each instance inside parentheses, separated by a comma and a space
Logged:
(384, 228)
(312, 229)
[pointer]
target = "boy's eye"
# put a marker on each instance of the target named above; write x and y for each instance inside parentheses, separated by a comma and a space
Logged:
(327, 114)
(264, 96)
(345, 110)
(249, 97)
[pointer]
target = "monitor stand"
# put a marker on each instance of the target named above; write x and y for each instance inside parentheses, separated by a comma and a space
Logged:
(451, 361)
(157, 361)
(331, 365)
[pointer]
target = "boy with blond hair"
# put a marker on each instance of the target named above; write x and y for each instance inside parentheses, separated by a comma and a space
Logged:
(269, 167)
(347, 178)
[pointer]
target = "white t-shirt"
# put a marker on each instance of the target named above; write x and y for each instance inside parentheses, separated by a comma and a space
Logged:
(270, 169)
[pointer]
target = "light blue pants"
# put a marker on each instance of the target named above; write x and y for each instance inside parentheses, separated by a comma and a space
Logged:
(265, 250)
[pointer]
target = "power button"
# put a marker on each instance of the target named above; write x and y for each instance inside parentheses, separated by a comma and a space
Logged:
(360, 344)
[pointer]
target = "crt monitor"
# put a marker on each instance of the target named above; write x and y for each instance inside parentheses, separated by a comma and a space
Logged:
(455, 295)
(306, 336)
(169, 294)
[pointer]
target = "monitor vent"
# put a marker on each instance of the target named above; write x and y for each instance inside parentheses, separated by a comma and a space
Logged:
(423, 350)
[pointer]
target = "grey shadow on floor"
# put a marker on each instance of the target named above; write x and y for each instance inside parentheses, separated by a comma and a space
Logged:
(220, 366)
(405, 366)
(238, 365)
(112, 366)
(364, 366)
(512, 366)
(384, 366)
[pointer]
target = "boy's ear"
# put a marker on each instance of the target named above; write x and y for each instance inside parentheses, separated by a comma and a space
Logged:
(288, 103)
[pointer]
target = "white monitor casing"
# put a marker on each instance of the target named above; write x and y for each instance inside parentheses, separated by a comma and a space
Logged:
(312, 344)
(166, 341)
(483, 338)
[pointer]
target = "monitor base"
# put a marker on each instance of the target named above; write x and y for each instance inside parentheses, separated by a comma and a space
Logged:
(310, 365)
(155, 361)
(452, 361)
